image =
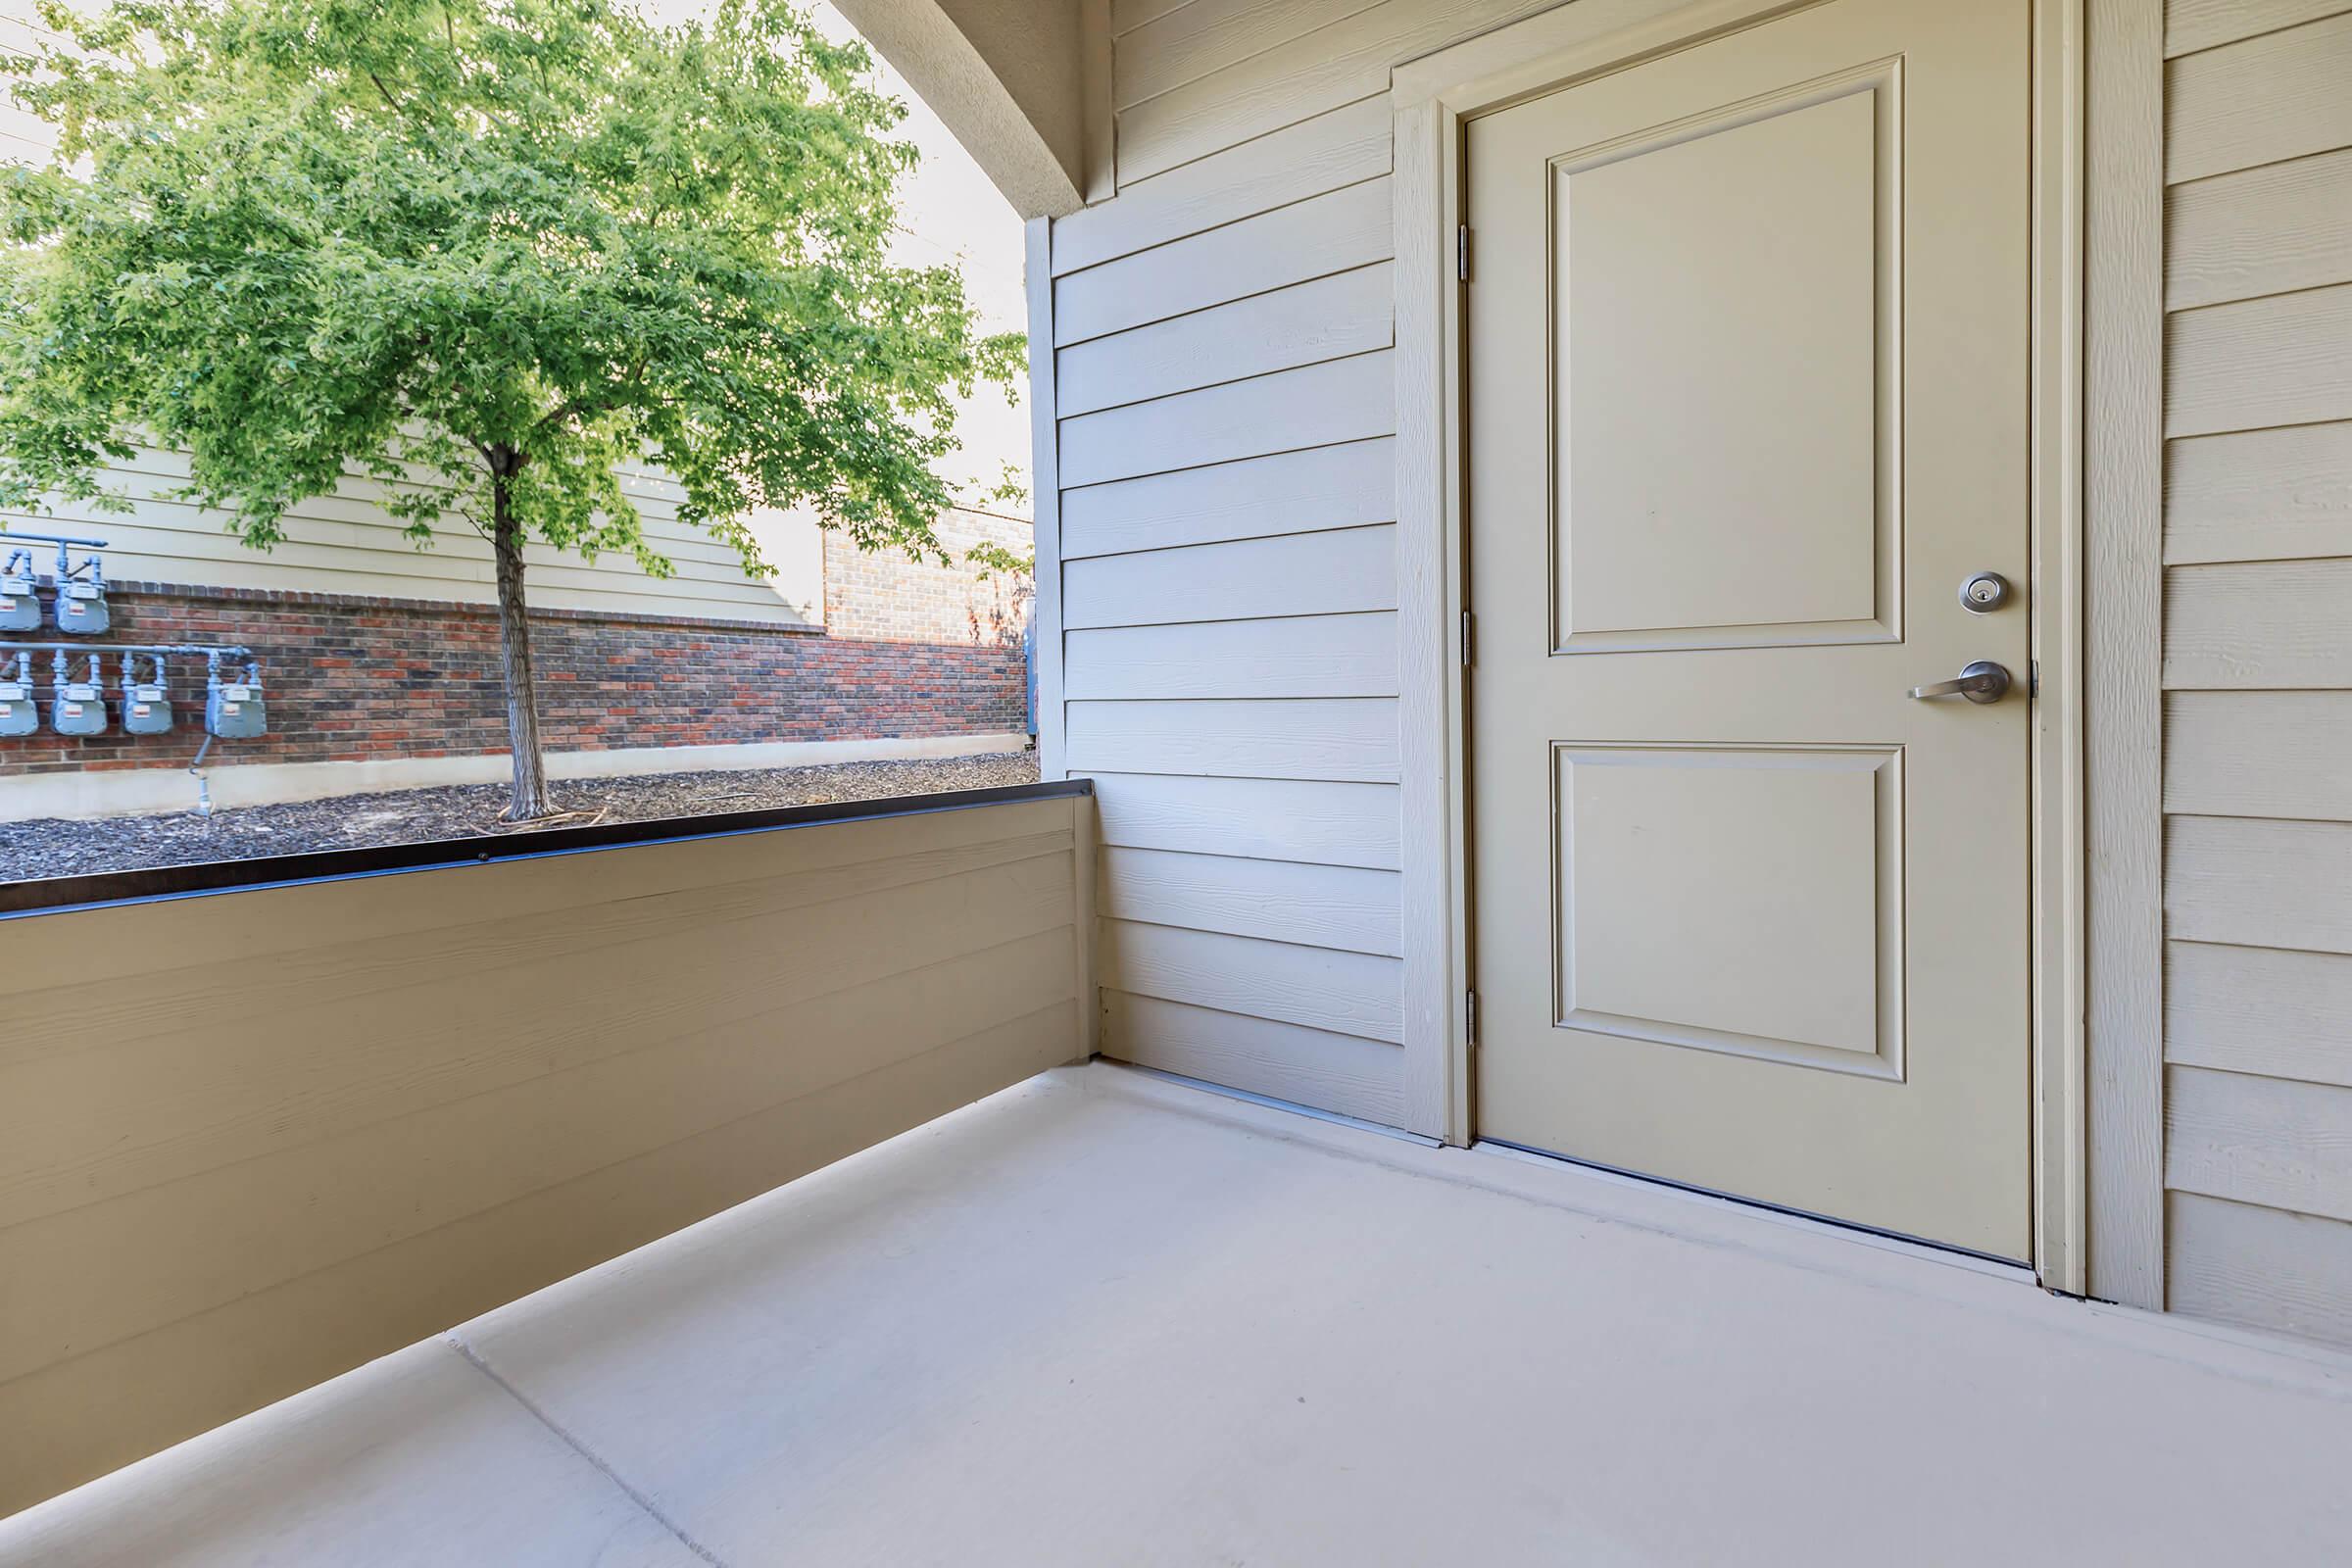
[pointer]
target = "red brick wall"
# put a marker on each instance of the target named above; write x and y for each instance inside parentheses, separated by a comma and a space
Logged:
(907, 651)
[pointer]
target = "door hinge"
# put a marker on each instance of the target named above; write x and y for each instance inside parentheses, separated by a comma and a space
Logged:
(1468, 631)
(2033, 677)
(1461, 253)
(1470, 1019)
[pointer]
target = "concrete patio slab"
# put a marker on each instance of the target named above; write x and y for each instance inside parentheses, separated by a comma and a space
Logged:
(1105, 1318)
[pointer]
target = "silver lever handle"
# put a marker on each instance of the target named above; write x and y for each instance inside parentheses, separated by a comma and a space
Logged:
(1980, 682)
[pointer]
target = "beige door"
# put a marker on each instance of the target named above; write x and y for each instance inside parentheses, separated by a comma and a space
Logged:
(1747, 406)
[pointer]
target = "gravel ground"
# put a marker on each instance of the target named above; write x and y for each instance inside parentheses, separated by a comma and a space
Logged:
(54, 847)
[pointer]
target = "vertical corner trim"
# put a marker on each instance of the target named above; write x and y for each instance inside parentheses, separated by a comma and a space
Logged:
(1045, 498)
(2122, 370)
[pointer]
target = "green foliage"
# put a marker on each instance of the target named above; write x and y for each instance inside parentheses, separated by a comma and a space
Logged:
(994, 559)
(451, 239)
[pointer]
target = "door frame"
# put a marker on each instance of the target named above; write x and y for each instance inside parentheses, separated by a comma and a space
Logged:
(1432, 98)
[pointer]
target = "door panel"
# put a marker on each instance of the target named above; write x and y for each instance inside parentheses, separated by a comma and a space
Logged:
(1747, 372)
(1660, 864)
(1679, 331)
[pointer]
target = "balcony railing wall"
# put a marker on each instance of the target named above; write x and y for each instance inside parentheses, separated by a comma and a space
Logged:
(252, 1138)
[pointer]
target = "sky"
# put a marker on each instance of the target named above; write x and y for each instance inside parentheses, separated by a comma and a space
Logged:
(950, 211)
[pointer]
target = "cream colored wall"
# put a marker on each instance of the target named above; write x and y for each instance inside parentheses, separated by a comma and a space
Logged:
(250, 1139)
(1223, 333)
(2258, 662)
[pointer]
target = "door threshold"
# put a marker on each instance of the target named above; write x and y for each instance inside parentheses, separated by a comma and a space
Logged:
(1755, 1208)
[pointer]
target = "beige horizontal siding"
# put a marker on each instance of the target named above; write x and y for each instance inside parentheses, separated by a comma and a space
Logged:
(2258, 662)
(1337, 738)
(1281, 900)
(2265, 230)
(2194, 24)
(1317, 822)
(2260, 495)
(1309, 656)
(2281, 1014)
(345, 542)
(2263, 1268)
(253, 1139)
(1309, 73)
(1346, 1073)
(1329, 318)
(1343, 486)
(2266, 98)
(1328, 234)
(1316, 988)
(1224, 331)
(1336, 572)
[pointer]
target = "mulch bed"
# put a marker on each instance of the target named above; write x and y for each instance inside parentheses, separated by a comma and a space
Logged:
(54, 847)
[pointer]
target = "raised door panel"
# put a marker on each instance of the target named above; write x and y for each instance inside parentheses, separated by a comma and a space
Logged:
(1681, 924)
(1707, 272)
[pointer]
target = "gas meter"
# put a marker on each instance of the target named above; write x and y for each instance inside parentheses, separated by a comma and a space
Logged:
(19, 604)
(81, 602)
(18, 715)
(146, 704)
(79, 708)
(233, 709)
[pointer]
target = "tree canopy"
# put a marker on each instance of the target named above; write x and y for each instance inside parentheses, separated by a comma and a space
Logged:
(506, 244)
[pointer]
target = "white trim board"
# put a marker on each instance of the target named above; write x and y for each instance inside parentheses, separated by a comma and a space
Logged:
(151, 791)
(1431, 99)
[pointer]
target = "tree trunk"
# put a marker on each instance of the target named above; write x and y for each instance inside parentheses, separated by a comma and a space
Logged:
(514, 646)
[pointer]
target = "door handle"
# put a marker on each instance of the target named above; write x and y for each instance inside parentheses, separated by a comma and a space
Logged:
(1980, 682)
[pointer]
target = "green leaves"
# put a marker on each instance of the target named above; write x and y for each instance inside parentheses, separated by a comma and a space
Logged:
(292, 236)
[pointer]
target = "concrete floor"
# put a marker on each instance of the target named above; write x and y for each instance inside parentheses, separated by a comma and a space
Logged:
(1106, 1319)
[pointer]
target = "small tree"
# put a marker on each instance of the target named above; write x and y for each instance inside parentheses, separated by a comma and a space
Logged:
(497, 246)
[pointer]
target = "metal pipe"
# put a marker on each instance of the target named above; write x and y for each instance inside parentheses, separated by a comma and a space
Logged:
(52, 538)
(188, 649)
(66, 569)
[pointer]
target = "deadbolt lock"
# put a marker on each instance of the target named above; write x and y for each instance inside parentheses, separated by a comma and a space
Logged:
(1984, 593)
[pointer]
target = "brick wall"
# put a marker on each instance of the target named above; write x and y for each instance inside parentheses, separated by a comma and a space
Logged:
(908, 650)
